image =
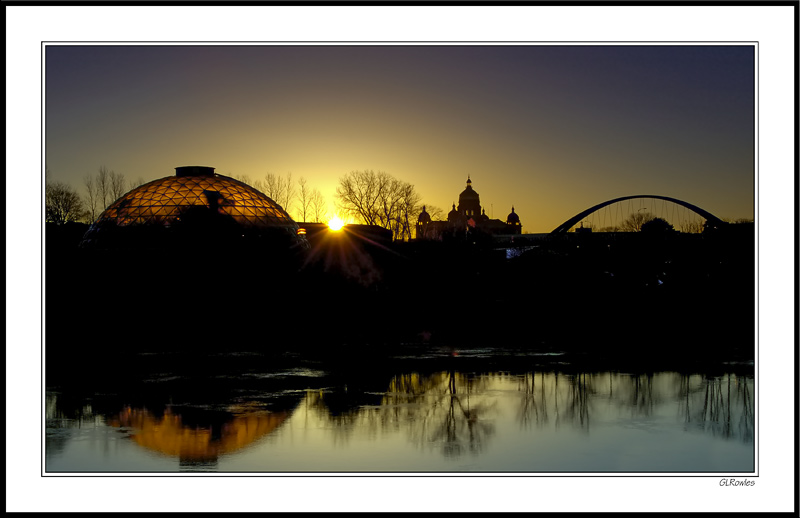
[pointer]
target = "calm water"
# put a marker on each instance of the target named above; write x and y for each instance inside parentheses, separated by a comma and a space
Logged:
(431, 410)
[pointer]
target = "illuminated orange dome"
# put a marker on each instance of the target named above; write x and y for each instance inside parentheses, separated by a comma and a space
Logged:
(195, 200)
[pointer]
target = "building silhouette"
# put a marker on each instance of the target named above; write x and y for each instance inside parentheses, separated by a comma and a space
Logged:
(196, 207)
(468, 218)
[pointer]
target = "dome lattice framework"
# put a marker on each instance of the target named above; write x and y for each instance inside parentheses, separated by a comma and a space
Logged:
(195, 197)
(163, 201)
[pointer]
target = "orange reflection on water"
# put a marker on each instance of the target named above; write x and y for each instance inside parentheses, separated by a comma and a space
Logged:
(169, 436)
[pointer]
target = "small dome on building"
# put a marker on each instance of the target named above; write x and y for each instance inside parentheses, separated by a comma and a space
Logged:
(453, 214)
(424, 217)
(468, 193)
(513, 217)
(483, 218)
(195, 198)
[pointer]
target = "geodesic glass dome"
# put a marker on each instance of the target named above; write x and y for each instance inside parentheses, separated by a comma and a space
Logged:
(195, 200)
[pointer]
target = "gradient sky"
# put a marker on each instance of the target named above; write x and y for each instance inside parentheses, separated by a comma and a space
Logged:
(552, 130)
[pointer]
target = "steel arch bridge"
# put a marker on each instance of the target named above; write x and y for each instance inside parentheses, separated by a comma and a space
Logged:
(710, 218)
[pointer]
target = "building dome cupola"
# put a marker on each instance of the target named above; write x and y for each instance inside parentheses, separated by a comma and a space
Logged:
(453, 215)
(468, 194)
(424, 217)
(513, 218)
(469, 202)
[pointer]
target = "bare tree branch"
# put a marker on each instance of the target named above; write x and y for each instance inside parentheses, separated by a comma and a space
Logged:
(117, 188)
(319, 207)
(91, 196)
(63, 204)
(304, 197)
(103, 186)
(274, 187)
(289, 193)
(635, 221)
(379, 199)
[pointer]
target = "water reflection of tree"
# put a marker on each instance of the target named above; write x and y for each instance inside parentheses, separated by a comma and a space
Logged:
(534, 400)
(343, 410)
(460, 427)
(722, 405)
(642, 399)
(62, 418)
(570, 402)
(447, 409)
(581, 391)
(641, 395)
(450, 410)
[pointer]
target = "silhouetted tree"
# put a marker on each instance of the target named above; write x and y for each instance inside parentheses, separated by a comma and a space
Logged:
(117, 186)
(289, 193)
(435, 213)
(280, 189)
(136, 183)
(103, 189)
(409, 209)
(91, 197)
(319, 206)
(103, 186)
(377, 198)
(635, 221)
(63, 204)
(656, 226)
(692, 227)
(304, 197)
(242, 178)
(357, 196)
(273, 187)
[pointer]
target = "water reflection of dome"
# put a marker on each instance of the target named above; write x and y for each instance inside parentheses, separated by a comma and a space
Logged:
(195, 198)
(169, 435)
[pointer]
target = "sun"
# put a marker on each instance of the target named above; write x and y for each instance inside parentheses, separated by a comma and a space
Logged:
(335, 224)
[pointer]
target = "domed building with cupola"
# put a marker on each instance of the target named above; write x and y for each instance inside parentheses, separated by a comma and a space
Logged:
(467, 218)
(195, 207)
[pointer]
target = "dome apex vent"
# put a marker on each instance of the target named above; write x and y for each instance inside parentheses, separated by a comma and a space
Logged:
(194, 170)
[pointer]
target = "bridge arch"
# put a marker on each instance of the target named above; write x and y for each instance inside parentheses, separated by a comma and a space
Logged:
(710, 218)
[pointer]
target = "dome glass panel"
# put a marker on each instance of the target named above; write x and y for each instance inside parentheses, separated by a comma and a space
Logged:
(174, 201)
